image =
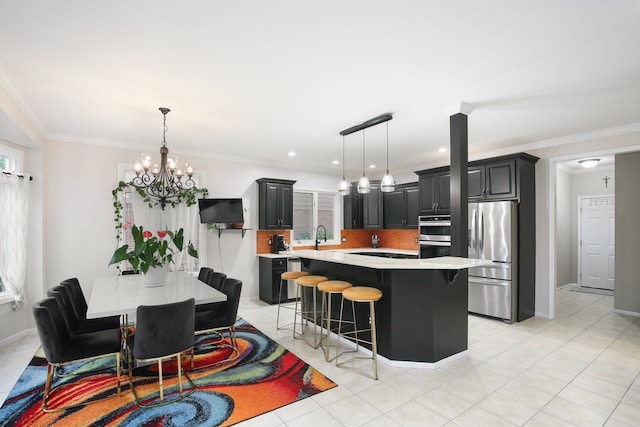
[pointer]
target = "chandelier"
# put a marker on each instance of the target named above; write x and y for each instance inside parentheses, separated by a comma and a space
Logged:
(165, 181)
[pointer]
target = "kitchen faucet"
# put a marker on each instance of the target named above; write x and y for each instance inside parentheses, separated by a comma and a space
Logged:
(325, 235)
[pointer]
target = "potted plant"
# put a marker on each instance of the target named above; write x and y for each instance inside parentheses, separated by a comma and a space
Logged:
(151, 254)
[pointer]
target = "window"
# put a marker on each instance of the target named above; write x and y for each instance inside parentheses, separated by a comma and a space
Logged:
(4, 162)
(311, 209)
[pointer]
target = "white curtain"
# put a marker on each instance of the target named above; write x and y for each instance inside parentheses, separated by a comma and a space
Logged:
(14, 210)
(155, 219)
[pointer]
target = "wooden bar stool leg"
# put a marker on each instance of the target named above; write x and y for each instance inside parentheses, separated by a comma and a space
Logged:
(308, 284)
(361, 294)
(284, 278)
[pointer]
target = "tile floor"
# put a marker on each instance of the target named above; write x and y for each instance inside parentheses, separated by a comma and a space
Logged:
(581, 368)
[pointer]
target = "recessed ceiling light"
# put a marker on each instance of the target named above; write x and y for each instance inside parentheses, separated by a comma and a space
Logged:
(372, 166)
(441, 150)
(336, 162)
(292, 154)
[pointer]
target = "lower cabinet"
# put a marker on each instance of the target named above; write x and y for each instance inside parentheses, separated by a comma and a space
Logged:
(270, 270)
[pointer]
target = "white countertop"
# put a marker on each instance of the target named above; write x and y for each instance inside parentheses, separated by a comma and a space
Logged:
(294, 253)
(344, 257)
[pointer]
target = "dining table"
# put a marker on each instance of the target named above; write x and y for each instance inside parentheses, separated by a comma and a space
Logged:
(121, 295)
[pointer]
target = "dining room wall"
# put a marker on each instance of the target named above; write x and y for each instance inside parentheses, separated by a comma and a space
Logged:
(79, 215)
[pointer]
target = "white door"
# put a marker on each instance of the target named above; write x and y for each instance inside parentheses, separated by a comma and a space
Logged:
(597, 242)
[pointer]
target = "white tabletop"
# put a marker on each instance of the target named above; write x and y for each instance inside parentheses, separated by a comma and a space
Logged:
(115, 295)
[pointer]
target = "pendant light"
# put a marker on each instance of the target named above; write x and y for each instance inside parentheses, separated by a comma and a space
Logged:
(343, 187)
(363, 183)
(387, 184)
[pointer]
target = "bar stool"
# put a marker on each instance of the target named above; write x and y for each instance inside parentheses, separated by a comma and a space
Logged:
(360, 294)
(287, 275)
(307, 283)
(329, 289)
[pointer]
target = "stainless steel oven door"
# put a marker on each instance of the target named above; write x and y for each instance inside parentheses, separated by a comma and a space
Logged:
(430, 249)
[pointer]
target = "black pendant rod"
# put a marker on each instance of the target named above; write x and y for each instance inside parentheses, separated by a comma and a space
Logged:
(371, 122)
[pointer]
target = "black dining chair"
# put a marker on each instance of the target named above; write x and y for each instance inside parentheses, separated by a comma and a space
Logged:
(204, 274)
(79, 303)
(216, 281)
(220, 319)
(162, 332)
(62, 347)
(76, 324)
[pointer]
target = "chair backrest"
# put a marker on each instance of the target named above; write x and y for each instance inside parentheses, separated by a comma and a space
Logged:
(216, 280)
(52, 329)
(164, 329)
(78, 300)
(232, 289)
(205, 273)
(61, 295)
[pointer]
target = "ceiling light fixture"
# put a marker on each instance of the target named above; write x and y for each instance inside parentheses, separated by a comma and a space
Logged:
(163, 182)
(588, 163)
(387, 184)
(343, 187)
(363, 183)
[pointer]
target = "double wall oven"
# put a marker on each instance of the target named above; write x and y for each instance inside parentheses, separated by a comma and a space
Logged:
(435, 235)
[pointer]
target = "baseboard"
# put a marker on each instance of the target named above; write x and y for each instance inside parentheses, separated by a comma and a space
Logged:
(626, 312)
(19, 335)
(543, 315)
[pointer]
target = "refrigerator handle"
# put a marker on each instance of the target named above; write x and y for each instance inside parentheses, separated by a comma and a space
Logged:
(473, 232)
(481, 232)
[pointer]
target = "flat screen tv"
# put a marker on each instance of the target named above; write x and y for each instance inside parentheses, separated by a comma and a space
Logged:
(221, 211)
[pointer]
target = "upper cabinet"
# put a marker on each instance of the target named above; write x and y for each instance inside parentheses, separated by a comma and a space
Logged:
(492, 181)
(434, 190)
(275, 204)
(500, 178)
(363, 210)
(401, 206)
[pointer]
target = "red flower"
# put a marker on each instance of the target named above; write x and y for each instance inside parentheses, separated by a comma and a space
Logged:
(146, 234)
(162, 234)
(127, 224)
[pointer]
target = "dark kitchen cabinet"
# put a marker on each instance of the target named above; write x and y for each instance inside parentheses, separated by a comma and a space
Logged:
(401, 206)
(434, 191)
(510, 177)
(493, 180)
(352, 210)
(270, 270)
(275, 211)
(372, 212)
(363, 210)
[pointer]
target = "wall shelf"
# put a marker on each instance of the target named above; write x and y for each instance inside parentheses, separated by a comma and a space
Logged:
(244, 230)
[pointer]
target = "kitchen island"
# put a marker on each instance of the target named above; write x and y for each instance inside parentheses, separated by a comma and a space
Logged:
(422, 318)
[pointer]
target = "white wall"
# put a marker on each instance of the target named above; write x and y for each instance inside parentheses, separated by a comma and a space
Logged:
(564, 244)
(79, 233)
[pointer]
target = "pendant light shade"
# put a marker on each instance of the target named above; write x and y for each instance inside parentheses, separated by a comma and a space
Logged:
(387, 184)
(363, 184)
(343, 187)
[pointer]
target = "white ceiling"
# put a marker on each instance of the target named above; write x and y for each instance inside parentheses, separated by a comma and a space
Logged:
(257, 79)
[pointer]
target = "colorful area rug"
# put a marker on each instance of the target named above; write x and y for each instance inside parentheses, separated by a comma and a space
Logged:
(264, 377)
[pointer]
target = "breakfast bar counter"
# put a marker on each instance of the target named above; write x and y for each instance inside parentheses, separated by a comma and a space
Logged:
(422, 318)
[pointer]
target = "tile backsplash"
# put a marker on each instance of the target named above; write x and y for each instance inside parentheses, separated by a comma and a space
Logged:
(394, 239)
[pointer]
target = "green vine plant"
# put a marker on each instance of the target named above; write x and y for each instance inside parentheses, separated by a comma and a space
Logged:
(189, 196)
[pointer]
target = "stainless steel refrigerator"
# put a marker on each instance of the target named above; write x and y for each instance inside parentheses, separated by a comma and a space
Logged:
(493, 234)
